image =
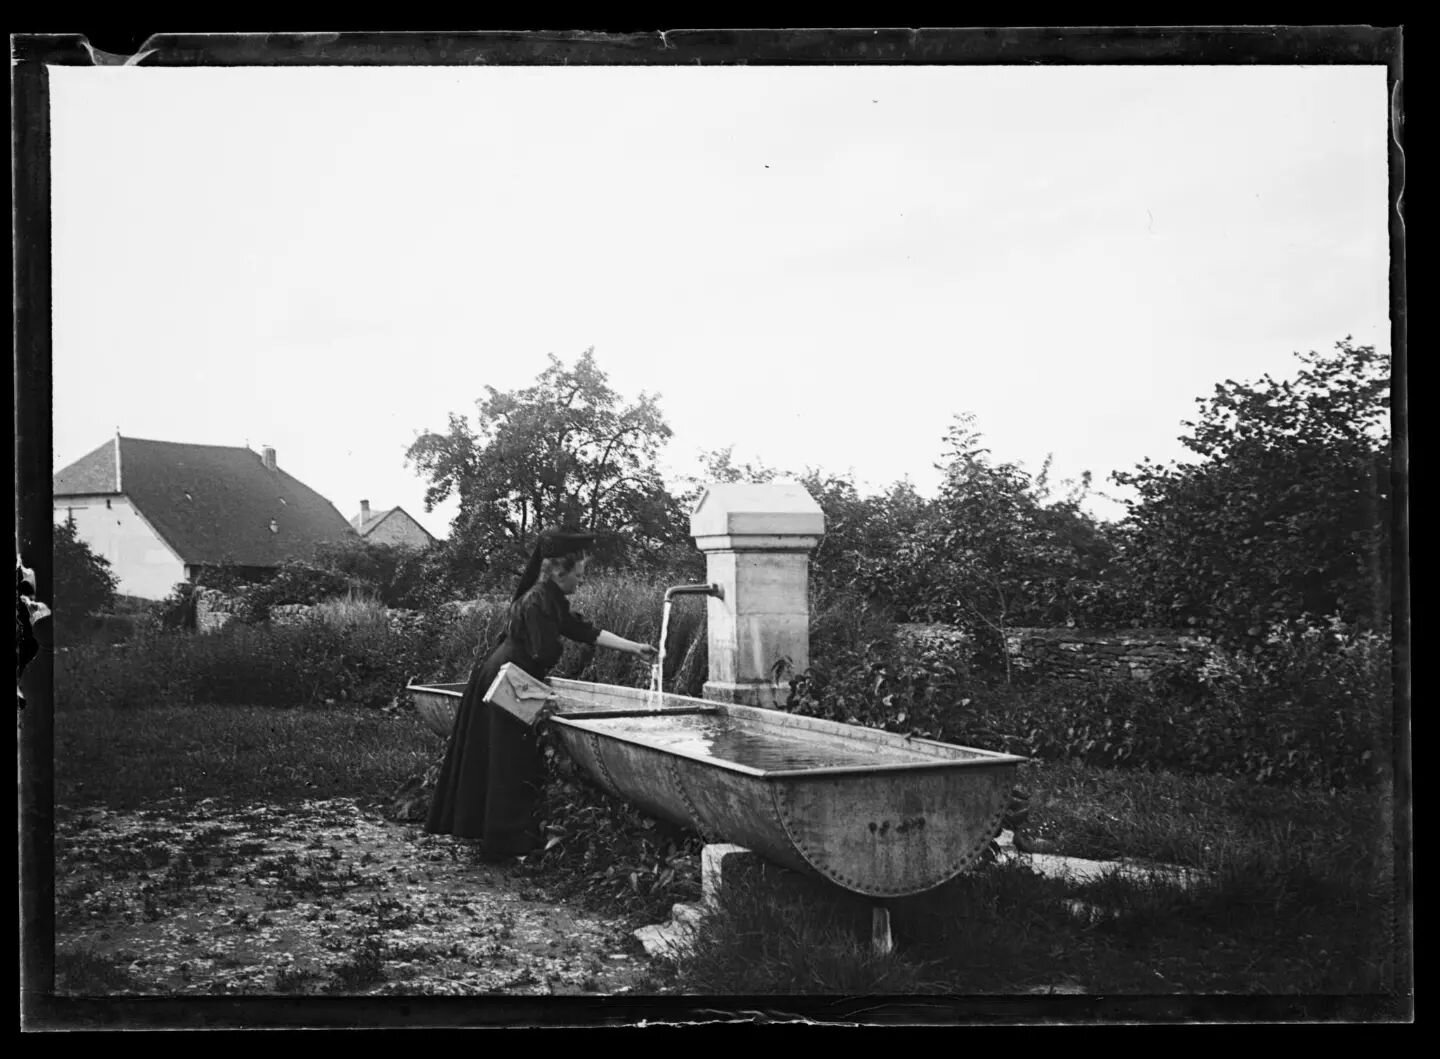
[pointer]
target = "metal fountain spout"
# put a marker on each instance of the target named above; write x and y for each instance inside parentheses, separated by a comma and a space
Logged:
(657, 669)
(694, 590)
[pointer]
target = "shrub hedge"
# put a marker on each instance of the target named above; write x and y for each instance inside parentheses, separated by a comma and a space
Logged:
(1312, 707)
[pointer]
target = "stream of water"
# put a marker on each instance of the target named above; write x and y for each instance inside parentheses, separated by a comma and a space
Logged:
(657, 671)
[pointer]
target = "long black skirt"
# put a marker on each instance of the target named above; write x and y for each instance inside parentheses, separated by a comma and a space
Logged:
(493, 774)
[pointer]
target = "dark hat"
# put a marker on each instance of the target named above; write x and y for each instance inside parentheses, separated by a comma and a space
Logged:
(553, 543)
(556, 542)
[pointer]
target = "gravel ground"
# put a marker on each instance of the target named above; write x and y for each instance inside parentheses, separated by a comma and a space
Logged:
(318, 897)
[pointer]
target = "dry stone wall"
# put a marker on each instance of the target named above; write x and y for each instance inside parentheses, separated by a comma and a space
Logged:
(1078, 654)
(213, 610)
(1081, 654)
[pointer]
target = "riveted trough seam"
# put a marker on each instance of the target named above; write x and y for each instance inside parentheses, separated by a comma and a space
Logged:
(672, 769)
(604, 769)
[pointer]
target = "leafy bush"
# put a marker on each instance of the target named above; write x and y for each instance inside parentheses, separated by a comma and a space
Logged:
(294, 582)
(1318, 699)
(1312, 708)
(1286, 511)
(609, 853)
(398, 577)
(368, 565)
(84, 583)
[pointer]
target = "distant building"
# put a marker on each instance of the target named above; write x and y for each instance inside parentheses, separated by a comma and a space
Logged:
(163, 512)
(394, 527)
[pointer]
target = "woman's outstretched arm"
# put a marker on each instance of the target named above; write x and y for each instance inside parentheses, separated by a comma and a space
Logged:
(619, 643)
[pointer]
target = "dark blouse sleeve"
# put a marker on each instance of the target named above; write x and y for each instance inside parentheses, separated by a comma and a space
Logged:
(577, 628)
(542, 630)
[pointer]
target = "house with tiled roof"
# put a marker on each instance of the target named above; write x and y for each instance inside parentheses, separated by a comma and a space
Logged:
(395, 527)
(163, 512)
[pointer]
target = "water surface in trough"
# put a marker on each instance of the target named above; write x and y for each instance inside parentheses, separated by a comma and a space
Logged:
(771, 749)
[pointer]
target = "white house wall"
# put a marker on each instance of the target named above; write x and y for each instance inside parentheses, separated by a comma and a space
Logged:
(144, 564)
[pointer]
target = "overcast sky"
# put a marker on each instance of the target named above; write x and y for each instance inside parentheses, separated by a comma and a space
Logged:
(818, 265)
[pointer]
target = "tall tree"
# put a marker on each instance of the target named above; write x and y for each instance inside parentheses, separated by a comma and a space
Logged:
(1285, 513)
(999, 550)
(565, 449)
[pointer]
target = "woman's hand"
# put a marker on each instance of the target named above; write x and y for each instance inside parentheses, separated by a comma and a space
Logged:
(619, 643)
(552, 703)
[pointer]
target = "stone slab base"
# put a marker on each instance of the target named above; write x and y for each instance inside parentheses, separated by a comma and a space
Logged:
(765, 696)
(1082, 870)
(725, 868)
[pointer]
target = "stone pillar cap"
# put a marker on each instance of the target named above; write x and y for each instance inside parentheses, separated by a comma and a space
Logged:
(737, 509)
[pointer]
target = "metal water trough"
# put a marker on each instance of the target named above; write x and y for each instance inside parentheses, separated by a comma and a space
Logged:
(897, 816)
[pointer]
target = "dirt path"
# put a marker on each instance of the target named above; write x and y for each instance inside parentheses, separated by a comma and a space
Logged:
(320, 897)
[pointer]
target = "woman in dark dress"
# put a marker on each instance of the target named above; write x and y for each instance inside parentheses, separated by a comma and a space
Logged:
(489, 784)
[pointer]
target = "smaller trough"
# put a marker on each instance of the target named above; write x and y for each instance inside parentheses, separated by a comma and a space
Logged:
(876, 813)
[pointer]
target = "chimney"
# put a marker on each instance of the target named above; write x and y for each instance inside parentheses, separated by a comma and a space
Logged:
(269, 458)
(364, 513)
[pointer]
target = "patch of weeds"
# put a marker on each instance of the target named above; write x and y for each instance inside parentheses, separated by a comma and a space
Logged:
(525, 977)
(774, 942)
(390, 914)
(412, 951)
(85, 972)
(365, 967)
(139, 857)
(296, 980)
(483, 957)
(609, 855)
(649, 982)
(348, 878)
(189, 869)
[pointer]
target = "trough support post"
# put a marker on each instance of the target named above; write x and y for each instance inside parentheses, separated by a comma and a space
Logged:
(881, 939)
(757, 540)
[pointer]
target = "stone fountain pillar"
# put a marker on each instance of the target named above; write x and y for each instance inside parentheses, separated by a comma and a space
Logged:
(757, 541)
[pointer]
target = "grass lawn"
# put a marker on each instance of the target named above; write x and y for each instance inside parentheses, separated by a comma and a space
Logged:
(127, 759)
